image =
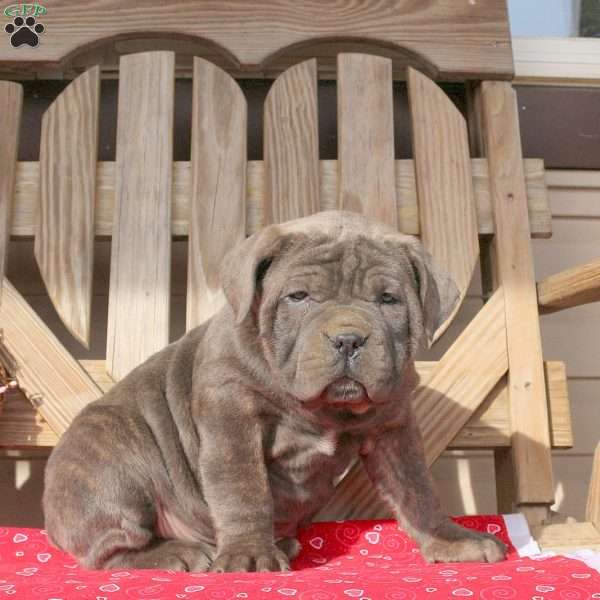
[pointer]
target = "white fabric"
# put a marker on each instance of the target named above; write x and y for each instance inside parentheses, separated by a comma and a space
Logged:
(521, 538)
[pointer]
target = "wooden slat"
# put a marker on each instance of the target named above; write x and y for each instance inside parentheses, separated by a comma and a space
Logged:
(22, 426)
(11, 102)
(217, 205)
(443, 403)
(529, 412)
(565, 537)
(64, 240)
(559, 407)
(504, 470)
(448, 222)
(138, 302)
(52, 380)
(573, 287)
(27, 196)
(366, 137)
(592, 512)
(468, 371)
(467, 40)
(291, 145)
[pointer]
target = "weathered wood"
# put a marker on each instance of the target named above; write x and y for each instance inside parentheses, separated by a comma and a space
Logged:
(528, 405)
(291, 145)
(504, 471)
(139, 298)
(27, 196)
(564, 537)
(462, 379)
(52, 380)
(11, 102)
(217, 205)
(22, 426)
(470, 40)
(64, 240)
(573, 287)
(592, 512)
(447, 218)
(366, 137)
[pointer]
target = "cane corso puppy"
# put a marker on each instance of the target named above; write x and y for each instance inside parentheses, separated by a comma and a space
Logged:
(213, 452)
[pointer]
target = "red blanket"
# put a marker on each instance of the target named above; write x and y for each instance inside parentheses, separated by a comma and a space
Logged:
(368, 560)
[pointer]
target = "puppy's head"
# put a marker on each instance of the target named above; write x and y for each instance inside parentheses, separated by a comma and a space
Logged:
(340, 305)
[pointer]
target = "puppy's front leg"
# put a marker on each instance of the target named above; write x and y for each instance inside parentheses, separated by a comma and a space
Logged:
(236, 487)
(396, 465)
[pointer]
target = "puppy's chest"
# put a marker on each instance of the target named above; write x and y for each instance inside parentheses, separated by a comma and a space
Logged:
(306, 462)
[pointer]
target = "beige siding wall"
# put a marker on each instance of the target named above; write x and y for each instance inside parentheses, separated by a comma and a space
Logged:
(465, 481)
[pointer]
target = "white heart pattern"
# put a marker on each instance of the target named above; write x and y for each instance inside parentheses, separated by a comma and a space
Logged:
(493, 528)
(372, 537)
(287, 591)
(19, 538)
(462, 592)
(317, 543)
(110, 587)
(44, 557)
(354, 593)
(190, 589)
(544, 588)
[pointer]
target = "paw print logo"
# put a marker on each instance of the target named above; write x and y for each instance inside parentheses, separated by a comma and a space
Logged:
(24, 31)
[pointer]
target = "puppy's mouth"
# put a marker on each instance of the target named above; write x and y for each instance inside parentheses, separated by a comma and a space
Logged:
(347, 394)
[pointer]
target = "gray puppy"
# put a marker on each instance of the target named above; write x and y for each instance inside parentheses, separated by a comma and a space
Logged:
(212, 453)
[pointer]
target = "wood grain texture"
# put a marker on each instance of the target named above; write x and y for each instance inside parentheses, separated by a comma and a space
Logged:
(573, 287)
(291, 145)
(565, 537)
(467, 39)
(22, 426)
(366, 137)
(27, 196)
(11, 102)
(529, 411)
(52, 380)
(468, 371)
(448, 221)
(504, 471)
(139, 295)
(217, 205)
(64, 240)
(488, 428)
(592, 511)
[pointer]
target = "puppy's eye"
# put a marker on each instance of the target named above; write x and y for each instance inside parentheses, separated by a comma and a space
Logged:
(298, 296)
(387, 298)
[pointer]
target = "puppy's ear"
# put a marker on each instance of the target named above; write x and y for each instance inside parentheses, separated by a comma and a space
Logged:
(437, 292)
(244, 266)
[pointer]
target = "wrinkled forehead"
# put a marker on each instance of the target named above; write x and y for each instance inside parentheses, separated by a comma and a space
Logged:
(356, 260)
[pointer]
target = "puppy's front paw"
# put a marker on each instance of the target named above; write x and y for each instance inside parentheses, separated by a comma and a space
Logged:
(248, 559)
(453, 543)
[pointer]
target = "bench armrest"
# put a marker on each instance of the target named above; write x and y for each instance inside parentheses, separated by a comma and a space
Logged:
(573, 287)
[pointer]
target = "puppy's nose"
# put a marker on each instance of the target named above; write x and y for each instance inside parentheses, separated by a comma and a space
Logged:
(348, 343)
